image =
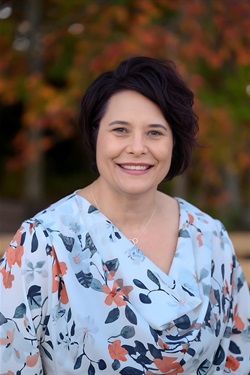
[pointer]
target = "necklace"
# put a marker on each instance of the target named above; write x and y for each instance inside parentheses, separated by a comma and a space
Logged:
(134, 240)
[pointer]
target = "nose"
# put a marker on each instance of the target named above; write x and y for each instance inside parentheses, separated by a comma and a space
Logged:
(137, 144)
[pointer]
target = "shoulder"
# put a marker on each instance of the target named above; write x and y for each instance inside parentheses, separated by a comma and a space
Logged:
(199, 215)
(210, 229)
(53, 220)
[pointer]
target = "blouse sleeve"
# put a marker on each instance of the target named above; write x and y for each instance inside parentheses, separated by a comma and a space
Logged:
(238, 356)
(24, 299)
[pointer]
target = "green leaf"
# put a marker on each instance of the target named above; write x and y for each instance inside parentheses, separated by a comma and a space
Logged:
(184, 233)
(96, 285)
(20, 311)
(127, 332)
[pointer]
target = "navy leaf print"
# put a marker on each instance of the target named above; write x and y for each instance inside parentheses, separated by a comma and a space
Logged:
(89, 244)
(92, 209)
(78, 362)
(144, 360)
(130, 349)
(47, 353)
(23, 238)
(117, 234)
(191, 352)
(85, 279)
(131, 371)
(72, 331)
(91, 370)
(144, 298)
(48, 249)
(219, 356)
(223, 271)
(113, 315)
(112, 265)
(34, 297)
(204, 367)
(130, 315)
(156, 353)
(240, 282)
(139, 284)
(217, 329)
(34, 243)
(154, 334)
(116, 365)
(184, 233)
(127, 332)
(20, 311)
(234, 348)
(102, 364)
(183, 322)
(212, 268)
(46, 320)
(186, 290)
(67, 241)
(50, 344)
(3, 320)
(140, 348)
(69, 315)
(153, 278)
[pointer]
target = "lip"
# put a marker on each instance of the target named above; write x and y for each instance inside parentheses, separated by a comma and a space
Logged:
(135, 168)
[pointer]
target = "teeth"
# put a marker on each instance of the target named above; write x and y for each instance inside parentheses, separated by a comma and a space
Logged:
(135, 167)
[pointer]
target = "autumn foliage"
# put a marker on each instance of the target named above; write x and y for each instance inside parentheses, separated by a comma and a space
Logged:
(78, 40)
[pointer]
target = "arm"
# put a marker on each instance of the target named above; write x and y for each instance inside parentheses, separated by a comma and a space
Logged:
(24, 298)
(238, 358)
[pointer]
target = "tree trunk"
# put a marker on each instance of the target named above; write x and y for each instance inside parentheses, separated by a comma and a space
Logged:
(33, 189)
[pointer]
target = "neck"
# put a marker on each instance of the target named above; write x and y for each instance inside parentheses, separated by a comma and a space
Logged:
(128, 212)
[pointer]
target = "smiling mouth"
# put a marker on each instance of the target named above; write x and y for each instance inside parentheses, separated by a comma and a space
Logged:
(135, 167)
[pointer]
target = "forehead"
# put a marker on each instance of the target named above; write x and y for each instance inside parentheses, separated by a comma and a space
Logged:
(128, 103)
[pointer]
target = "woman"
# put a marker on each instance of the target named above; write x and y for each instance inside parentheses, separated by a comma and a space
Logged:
(119, 277)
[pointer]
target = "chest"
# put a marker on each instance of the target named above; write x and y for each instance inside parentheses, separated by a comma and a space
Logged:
(159, 245)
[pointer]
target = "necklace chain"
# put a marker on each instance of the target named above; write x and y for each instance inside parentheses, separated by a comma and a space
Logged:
(134, 240)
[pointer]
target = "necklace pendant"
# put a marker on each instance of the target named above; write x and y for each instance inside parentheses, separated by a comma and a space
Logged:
(134, 240)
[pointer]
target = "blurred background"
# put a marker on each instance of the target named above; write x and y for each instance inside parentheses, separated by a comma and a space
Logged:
(51, 50)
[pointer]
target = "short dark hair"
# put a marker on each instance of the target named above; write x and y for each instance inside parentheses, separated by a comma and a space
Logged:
(160, 82)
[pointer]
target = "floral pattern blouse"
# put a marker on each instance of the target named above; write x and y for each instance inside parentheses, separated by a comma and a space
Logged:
(77, 297)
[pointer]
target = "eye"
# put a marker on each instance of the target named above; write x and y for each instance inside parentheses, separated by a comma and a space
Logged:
(120, 130)
(154, 133)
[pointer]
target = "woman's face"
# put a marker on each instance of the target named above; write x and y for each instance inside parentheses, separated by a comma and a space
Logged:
(134, 144)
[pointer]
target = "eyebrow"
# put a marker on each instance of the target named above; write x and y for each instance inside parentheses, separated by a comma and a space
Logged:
(154, 126)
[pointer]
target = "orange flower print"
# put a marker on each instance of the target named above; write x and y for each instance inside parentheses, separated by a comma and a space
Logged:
(117, 352)
(7, 278)
(239, 324)
(162, 344)
(167, 365)
(32, 360)
(191, 218)
(232, 363)
(125, 289)
(9, 339)
(115, 295)
(64, 295)
(15, 251)
(58, 270)
(199, 238)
